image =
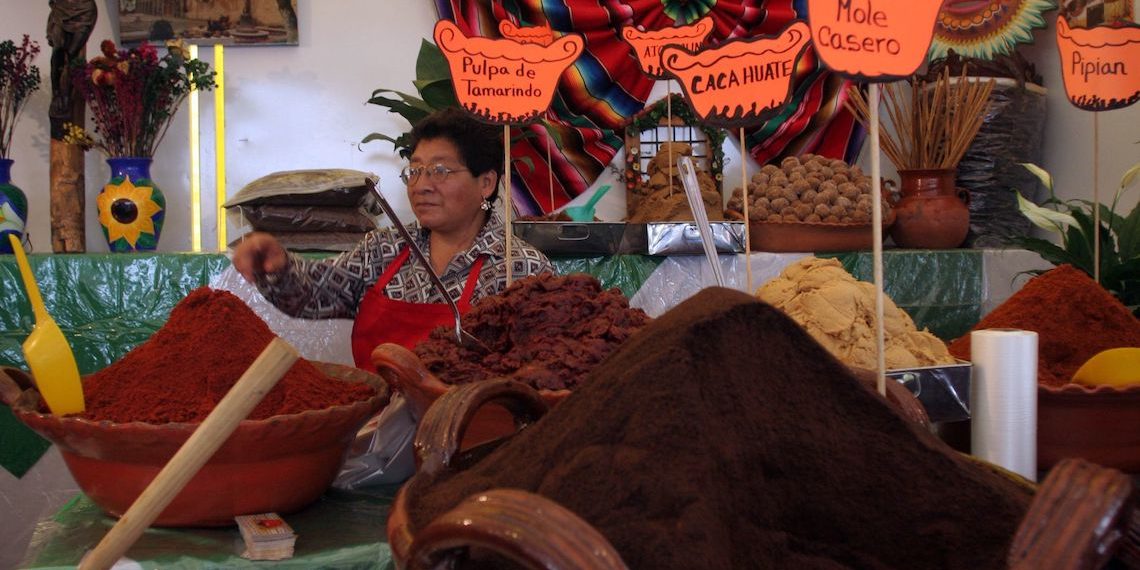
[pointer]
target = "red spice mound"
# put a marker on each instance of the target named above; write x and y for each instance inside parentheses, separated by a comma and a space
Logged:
(545, 330)
(1073, 316)
(184, 370)
(691, 448)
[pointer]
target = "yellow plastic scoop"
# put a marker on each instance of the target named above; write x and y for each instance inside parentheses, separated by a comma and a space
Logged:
(46, 350)
(1113, 367)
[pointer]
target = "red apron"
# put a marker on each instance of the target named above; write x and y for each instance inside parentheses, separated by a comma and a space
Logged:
(380, 319)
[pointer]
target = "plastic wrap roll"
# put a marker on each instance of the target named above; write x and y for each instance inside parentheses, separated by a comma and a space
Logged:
(1004, 399)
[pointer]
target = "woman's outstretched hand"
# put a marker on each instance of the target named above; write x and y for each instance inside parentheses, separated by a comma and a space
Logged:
(259, 254)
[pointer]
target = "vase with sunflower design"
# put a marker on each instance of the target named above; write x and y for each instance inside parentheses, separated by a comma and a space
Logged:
(131, 207)
(13, 207)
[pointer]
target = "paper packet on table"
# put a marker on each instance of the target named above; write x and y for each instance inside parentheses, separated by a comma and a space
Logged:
(267, 537)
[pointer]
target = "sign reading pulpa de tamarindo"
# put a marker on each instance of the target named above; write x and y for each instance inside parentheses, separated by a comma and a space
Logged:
(741, 82)
(502, 80)
(880, 40)
(1100, 66)
(541, 35)
(647, 45)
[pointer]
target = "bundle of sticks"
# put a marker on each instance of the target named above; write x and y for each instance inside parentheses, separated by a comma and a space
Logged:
(933, 125)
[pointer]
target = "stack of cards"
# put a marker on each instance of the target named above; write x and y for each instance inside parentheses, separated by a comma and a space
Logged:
(266, 536)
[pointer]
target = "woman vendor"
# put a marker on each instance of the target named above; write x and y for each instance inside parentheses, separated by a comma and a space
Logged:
(452, 182)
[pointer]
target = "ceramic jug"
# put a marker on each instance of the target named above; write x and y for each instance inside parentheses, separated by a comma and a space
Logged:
(930, 211)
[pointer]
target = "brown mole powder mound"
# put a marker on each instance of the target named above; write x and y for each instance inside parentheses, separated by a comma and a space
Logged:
(723, 436)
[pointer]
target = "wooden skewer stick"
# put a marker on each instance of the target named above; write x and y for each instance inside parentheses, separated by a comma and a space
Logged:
(508, 203)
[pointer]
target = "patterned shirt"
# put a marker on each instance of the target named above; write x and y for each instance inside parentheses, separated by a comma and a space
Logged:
(333, 288)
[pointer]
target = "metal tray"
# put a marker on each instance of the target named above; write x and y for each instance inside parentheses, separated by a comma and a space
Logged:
(943, 390)
(680, 238)
(560, 238)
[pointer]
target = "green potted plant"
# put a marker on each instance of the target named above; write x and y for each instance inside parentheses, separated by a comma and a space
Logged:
(1073, 222)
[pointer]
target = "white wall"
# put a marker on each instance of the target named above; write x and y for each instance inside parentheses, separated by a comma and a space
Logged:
(286, 108)
(303, 107)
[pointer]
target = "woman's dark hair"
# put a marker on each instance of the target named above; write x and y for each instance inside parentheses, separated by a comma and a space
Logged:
(480, 144)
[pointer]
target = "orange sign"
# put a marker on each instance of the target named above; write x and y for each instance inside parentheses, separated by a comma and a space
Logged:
(540, 35)
(1100, 66)
(648, 45)
(501, 80)
(879, 40)
(740, 82)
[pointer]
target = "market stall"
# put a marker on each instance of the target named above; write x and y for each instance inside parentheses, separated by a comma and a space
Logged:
(526, 356)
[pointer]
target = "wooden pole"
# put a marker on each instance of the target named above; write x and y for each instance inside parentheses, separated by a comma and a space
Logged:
(67, 198)
(69, 27)
(877, 243)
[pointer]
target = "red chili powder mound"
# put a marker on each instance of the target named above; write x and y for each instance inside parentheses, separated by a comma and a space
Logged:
(723, 436)
(545, 330)
(1073, 316)
(182, 371)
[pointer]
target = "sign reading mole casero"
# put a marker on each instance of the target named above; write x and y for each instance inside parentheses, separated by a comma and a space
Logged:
(647, 45)
(740, 82)
(501, 80)
(1100, 66)
(883, 40)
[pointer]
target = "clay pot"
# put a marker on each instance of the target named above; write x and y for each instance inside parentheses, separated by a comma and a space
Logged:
(527, 528)
(931, 212)
(406, 373)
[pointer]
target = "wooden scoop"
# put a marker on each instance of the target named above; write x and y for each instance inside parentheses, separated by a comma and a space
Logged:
(46, 350)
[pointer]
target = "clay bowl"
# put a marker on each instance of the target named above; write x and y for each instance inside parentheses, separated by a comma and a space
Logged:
(534, 540)
(782, 237)
(279, 464)
(1100, 424)
(406, 373)
(527, 528)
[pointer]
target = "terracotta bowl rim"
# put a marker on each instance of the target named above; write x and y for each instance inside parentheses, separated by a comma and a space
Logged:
(36, 419)
(1075, 389)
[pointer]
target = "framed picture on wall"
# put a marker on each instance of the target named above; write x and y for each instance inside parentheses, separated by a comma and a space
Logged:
(208, 22)
(1091, 13)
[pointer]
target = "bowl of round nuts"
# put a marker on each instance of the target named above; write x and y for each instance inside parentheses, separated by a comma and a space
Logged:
(808, 203)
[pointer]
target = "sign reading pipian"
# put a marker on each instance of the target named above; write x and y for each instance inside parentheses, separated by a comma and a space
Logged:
(501, 80)
(647, 45)
(879, 40)
(1100, 66)
(740, 82)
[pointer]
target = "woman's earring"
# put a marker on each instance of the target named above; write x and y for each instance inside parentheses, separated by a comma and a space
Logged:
(485, 205)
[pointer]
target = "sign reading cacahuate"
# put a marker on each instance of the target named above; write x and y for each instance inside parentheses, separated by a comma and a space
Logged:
(741, 82)
(1100, 66)
(647, 45)
(501, 80)
(878, 40)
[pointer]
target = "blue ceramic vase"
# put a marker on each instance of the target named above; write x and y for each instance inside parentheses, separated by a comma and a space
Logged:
(13, 207)
(131, 207)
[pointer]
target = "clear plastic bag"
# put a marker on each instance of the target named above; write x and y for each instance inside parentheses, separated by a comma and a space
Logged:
(382, 453)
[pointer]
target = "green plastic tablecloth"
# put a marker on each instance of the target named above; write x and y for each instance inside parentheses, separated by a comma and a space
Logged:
(341, 530)
(106, 304)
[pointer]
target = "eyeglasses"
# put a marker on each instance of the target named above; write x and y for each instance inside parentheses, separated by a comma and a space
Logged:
(436, 173)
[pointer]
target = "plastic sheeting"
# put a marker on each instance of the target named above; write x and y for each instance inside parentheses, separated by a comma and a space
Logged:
(105, 304)
(941, 290)
(1011, 133)
(626, 272)
(341, 530)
